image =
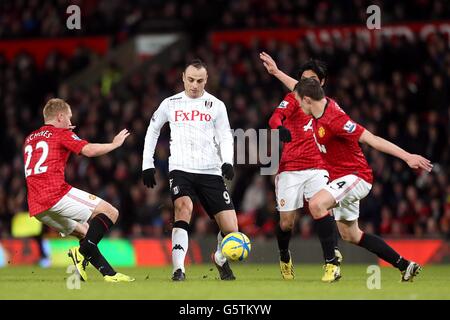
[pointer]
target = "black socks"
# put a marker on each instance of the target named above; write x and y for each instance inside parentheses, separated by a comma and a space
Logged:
(378, 246)
(283, 238)
(326, 230)
(98, 226)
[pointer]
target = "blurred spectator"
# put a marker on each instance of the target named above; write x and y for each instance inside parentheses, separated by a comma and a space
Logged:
(110, 76)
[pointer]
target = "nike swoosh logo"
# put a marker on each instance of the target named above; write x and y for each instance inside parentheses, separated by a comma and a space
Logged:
(76, 258)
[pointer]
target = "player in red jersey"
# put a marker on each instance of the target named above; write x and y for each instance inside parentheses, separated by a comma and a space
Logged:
(338, 137)
(57, 204)
(301, 171)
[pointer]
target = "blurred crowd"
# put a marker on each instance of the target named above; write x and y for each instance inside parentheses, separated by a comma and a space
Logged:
(303, 13)
(47, 18)
(399, 91)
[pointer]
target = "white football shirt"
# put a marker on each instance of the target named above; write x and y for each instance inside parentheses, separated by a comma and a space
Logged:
(200, 134)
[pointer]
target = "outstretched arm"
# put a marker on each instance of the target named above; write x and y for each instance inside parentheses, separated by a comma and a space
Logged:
(99, 149)
(415, 161)
(224, 135)
(159, 118)
(272, 68)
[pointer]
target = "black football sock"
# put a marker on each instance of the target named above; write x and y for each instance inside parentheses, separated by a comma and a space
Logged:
(325, 227)
(99, 261)
(98, 226)
(378, 246)
(336, 237)
(283, 238)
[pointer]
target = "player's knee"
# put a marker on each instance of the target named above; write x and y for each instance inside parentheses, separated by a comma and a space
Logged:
(351, 237)
(112, 213)
(183, 206)
(115, 214)
(183, 210)
(316, 208)
(287, 225)
(107, 209)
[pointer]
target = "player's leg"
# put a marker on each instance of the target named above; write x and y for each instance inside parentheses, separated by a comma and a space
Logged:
(289, 190)
(80, 230)
(182, 192)
(227, 222)
(78, 259)
(60, 219)
(319, 206)
(180, 239)
(316, 180)
(336, 194)
(215, 198)
(351, 232)
(69, 217)
(102, 219)
(348, 192)
(283, 233)
(80, 206)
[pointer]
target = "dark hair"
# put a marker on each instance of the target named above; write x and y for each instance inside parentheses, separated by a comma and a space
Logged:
(196, 63)
(317, 66)
(309, 87)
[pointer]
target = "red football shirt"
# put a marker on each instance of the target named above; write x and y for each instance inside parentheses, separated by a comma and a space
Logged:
(46, 151)
(301, 153)
(337, 137)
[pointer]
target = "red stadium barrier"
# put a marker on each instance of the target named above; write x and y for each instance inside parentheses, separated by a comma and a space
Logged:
(157, 252)
(147, 252)
(420, 251)
(21, 251)
(323, 35)
(150, 253)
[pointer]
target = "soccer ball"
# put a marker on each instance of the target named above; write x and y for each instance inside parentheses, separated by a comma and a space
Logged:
(236, 246)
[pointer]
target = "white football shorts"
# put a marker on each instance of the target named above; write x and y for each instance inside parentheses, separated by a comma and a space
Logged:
(348, 191)
(75, 207)
(292, 186)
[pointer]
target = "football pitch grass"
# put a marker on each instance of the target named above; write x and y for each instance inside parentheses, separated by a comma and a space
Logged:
(254, 281)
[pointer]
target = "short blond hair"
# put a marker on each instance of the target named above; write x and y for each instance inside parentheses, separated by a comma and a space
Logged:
(53, 107)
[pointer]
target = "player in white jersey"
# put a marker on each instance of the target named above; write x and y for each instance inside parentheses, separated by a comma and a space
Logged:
(201, 152)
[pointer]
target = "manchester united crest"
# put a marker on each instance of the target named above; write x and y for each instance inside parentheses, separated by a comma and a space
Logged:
(321, 132)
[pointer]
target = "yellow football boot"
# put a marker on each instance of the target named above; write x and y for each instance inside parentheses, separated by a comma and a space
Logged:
(332, 273)
(79, 261)
(287, 270)
(119, 277)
